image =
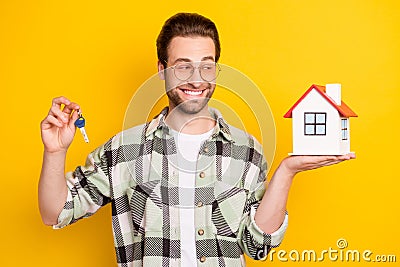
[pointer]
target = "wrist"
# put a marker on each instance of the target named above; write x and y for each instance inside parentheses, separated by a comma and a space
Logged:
(55, 152)
(285, 170)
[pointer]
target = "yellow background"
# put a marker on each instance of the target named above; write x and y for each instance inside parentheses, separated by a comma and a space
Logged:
(98, 53)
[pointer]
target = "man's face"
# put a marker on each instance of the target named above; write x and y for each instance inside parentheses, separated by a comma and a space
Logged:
(192, 94)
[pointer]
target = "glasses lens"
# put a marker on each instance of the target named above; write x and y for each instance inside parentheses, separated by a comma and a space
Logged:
(208, 71)
(183, 71)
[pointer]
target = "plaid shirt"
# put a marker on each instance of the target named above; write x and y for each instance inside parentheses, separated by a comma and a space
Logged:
(136, 172)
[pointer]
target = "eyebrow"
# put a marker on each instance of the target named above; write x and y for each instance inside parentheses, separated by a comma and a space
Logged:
(183, 59)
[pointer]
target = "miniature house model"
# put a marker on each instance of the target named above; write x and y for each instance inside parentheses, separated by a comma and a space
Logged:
(321, 122)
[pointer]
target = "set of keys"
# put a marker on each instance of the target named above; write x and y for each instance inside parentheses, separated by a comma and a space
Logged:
(80, 123)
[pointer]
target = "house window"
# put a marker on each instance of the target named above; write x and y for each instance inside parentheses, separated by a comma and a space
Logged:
(314, 123)
(345, 129)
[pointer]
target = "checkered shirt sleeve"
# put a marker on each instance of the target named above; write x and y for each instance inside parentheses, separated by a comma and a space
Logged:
(88, 189)
(252, 240)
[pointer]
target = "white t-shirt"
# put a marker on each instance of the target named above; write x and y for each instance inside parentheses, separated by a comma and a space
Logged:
(188, 147)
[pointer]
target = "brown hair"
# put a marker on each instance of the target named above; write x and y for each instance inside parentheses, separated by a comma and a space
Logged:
(186, 25)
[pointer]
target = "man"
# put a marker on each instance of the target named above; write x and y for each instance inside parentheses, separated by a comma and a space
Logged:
(186, 189)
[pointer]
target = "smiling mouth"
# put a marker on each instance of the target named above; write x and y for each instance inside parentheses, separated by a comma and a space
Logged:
(192, 92)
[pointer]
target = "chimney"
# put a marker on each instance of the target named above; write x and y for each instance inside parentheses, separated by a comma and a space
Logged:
(333, 90)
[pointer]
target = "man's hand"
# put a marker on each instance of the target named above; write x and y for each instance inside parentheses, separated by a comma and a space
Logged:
(295, 164)
(271, 212)
(58, 127)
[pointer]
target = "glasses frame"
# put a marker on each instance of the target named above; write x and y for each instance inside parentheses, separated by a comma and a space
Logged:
(218, 70)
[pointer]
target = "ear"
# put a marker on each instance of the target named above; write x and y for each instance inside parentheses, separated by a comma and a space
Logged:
(161, 69)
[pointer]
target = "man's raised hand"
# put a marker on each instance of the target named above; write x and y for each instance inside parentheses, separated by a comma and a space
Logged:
(58, 127)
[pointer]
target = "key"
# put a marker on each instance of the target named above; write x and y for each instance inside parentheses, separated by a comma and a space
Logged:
(80, 123)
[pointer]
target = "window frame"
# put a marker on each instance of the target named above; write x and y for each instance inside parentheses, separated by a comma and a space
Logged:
(315, 123)
(344, 128)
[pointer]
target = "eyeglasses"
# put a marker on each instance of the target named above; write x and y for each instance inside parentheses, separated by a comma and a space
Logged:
(208, 70)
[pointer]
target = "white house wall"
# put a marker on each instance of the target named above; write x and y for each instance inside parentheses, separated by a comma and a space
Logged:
(328, 144)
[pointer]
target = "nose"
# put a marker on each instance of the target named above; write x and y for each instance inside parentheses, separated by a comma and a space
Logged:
(196, 79)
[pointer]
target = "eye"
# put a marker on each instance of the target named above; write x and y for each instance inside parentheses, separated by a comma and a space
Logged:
(207, 66)
(183, 67)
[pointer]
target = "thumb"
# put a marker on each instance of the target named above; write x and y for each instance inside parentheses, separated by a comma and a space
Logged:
(73, 119)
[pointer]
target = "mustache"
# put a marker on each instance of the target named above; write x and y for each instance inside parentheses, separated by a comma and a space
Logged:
(189, 86)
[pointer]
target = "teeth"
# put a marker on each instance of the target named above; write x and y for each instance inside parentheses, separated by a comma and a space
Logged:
(188, 92)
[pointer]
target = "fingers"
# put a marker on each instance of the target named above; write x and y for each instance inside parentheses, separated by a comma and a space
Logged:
(324, 159)
(348, 156)
(308, 162)
(64, 114)
(74, 117)
(58, 101)
(69, 108)
(328, 163)
(49, 121)
(330, 160)
(57, 113)
(297, 164)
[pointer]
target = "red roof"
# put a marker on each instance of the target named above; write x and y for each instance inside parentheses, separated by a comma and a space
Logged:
(343, 109)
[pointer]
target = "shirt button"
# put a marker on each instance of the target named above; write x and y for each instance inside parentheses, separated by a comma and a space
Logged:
(199, 204)
(202, 258)
(202, 175)
(200, 232)
(205, 149)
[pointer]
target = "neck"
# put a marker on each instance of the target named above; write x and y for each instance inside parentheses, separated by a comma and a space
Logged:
(186, 123)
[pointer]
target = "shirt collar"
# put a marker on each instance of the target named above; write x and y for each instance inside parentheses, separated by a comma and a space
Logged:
(222, 128)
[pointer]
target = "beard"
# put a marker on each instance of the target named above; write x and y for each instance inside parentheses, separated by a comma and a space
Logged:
(190, 106)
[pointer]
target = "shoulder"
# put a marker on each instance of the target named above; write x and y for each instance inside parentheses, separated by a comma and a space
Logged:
(232, 133)
(242, 138)
(251, 151)
(130, 136)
